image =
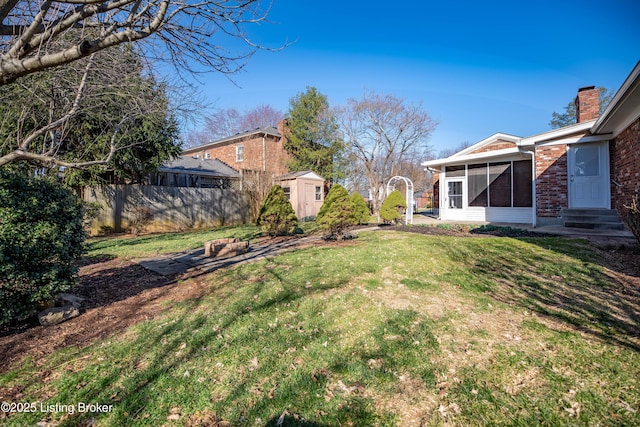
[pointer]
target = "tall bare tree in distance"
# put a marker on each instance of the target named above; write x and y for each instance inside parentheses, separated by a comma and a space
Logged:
(38, 35)
(381, 132)
(225, 122)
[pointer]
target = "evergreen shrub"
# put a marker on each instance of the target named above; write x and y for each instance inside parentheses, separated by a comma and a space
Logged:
(392, 207)
(361, 213)
(277, 216)
(336, 213)
(41, 239)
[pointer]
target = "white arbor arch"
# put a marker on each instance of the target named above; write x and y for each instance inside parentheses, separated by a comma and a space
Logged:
(408, 194)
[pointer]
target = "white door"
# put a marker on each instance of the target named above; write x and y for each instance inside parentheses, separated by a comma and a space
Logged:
(589, 175)
(309, 196)
(453, 199)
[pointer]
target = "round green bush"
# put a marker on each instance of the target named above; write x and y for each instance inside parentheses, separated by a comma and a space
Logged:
(392, 207)
(276, 215)
(41, 238)
(361, 213)
(336, 213)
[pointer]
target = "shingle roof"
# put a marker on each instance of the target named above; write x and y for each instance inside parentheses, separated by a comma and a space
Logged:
(268, 130)
(294, 175)
(192, 165)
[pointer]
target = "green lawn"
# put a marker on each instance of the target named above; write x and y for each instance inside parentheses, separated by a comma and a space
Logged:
(389, 329)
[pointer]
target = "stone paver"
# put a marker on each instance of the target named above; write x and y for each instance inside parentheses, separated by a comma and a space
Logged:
(183, 262)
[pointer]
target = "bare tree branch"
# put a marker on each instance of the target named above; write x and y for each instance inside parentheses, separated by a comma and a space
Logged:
(381, 132)
(36, 37)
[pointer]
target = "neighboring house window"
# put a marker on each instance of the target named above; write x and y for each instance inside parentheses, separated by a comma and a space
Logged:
(239, 153)
(287, 192)
(318, 192)
(207, 155)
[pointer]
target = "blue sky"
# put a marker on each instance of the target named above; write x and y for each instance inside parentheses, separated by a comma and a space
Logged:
(477, 67)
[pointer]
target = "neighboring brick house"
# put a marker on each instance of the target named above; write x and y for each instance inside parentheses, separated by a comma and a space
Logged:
(262, 150)
(546, 179)
(255, 150)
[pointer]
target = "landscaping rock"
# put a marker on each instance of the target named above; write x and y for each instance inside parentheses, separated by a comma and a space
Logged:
(55, 315)
(225, 247)
(70, 299)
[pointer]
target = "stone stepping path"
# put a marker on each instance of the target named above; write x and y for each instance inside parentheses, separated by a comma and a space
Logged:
(195, 261)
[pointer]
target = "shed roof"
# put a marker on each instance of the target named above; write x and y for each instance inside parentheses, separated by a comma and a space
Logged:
(301, 174)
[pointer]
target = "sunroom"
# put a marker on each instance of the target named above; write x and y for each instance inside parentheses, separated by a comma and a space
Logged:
(495, 186)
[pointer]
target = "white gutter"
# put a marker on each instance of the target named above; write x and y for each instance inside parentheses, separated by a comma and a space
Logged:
(534, 213)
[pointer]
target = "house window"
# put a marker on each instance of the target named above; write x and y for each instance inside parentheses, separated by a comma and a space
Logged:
(239, 153)
(287, 192)
(522, 178)
(500, 184)
(477, 185)
(318, 192)
(454, 171)
(207, 155)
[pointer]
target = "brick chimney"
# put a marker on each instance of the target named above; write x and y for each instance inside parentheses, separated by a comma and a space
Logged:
(587, 104)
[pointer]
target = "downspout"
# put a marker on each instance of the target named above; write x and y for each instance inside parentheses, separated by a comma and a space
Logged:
(533, 187)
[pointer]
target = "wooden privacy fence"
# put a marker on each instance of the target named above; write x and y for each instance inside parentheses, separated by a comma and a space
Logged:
(168, 208)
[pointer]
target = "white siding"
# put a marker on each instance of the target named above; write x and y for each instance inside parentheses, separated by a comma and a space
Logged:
(513, 215)
(509, 215)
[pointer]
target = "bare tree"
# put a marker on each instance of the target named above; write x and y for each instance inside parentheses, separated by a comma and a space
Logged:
(381, 132)
(262, 116)
(450, 151)
(83, 114)
(225, 122)
(36, 35)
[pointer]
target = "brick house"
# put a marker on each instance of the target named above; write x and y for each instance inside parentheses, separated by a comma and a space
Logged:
(254, 150)
(262, 151)
(581, 175)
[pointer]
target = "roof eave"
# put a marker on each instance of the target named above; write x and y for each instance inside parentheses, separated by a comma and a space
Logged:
(610, 120)
(506, 152)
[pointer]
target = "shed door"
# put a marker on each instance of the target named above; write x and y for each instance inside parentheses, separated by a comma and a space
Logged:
(309, 197)
(589, 175)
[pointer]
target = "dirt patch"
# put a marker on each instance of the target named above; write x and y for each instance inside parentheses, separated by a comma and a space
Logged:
(117, 294)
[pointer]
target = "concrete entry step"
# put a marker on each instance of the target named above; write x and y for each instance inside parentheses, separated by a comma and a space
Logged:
(592, 219)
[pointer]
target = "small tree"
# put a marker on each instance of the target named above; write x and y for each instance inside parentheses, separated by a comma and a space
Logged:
(41, 238)
(361, 212)
(276, 214)
(336, 212)
(633, 217)
(392, 207)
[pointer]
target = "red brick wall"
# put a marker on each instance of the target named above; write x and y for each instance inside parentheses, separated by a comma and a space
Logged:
(276, 155)
(551, 180)
(498, 145)
(625, 153)
(587, 104)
